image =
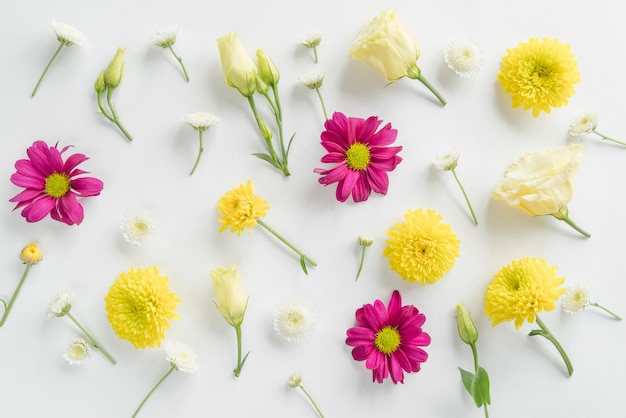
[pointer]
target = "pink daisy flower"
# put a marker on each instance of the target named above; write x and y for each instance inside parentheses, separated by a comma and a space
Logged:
(361, 154)
(388, 339)
(50, 184)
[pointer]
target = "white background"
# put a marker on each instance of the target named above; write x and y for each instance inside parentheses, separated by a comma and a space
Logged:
(527, 375)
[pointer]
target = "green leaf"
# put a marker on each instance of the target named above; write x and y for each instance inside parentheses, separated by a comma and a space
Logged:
(480, 388)
(467, 378)
(289, 145)
(265, 157)
(303, 264)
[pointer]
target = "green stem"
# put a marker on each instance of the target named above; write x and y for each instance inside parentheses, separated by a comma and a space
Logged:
(260, 123)
(240, 360)
(319, 94)
(358, 273)
(475, 355)
(47, 67)
(571, 223)
(430, 87)
(279, 122)
(613, 314)
(93, 341)
(545, 332)
(315, 54)
(609, 138)
(180, 61)
(465, 196)
(7, 308)
(116, 119)
(312, 401)
(200, 150)
(153, 389)
(287, 243)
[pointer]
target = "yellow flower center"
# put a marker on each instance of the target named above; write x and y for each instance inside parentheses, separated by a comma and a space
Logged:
(421, 249)
(295, 319)
(542, 76)
(78, 351)
(57, 185)
(140, 227)
(387, 340)
(358, 156)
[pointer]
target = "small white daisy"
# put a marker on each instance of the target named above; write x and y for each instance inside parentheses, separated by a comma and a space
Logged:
(77, 352)
(584, 124)
(181, 357)
(66, 34)
(311, 40)
(61, 304)
(447, 161)
(137, 227)
(200, 121)
(464, 57)
(366, 240)
(293, 321)
(166, 37)
(576, 298)
(313, 79)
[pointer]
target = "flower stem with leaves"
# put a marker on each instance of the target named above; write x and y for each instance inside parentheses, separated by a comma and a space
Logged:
(303, 257)
(547, 334)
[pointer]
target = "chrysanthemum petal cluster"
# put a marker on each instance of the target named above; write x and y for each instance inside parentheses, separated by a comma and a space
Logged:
(522, 289)
(139, 306)
(66, 34)
(389, 338)
(241, 208)
(361, 156)
(138, 227)
(464, 57)
(166, 37)
(77, 352)
(61, 304)
(293, 320)
(422, 247)
(52, 185)
(313, 79)
(539, 74)
(447, 161)
(576, 298)
(181, 357)
(200, 121)
(585, 123)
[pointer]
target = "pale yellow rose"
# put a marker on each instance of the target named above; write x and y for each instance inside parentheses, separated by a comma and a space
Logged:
(387, 46)
(231, 299)
(240, 71)
(541, 183)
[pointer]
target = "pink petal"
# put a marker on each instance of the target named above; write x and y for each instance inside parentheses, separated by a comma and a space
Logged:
(347, 184)
(29, 182)
(361, 190)
(334, 175)
(366, 130)
(394, 307)
(27, 168)
(395, 369)
(38, 154)
(87, 186)
(70, 209)
(381, 154)
(334, 157)
(72, 161)
(384, 137)
(333, 141)
(378, 180)
(414, 353)
(38, 209)
(361, 334)
(26, 195)
(362, 352)
(55, 160)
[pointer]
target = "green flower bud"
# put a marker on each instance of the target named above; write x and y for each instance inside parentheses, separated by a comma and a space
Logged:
(100, 85)
(267, 69)
(467, 329)
(261, 86)
(265, 131)
(113, 73)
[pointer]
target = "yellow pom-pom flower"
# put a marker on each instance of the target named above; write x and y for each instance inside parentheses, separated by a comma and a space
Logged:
(139, 306)
(522, 289)
(422, 248)
(241, 208)
(539, 74)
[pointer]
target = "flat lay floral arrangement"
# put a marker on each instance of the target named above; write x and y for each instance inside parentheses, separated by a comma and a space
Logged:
(307, 236)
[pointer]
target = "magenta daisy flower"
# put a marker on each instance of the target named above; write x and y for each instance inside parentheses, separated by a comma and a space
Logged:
(388, 339)
(361, 154)
(50, 184)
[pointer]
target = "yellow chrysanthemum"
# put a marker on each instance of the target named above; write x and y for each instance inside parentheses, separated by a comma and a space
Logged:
(139, 306)
(522, 289)
(539, 74)
(241, 208)
(422, 248)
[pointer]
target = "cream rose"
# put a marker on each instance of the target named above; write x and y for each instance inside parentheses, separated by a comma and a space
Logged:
(240, 71)
(231, 299)
(387, 46)
(542, 183)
